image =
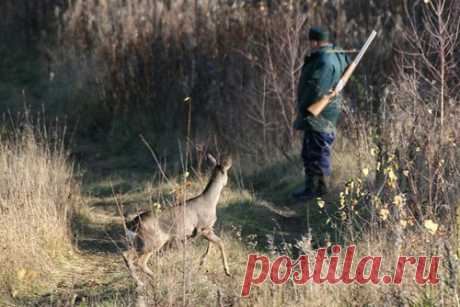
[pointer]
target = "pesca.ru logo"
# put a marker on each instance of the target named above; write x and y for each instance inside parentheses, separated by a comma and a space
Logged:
(367, 269)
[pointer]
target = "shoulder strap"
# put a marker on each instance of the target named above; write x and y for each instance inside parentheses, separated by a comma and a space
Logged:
(340, 58)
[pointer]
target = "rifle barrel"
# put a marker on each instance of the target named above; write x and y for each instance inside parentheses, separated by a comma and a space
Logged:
(343, 81)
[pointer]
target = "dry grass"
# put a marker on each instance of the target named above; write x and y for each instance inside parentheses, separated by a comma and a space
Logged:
(210, 287)
(245, 220)
(246, 224)
(36, 190)
(144, 57)
(239, 62)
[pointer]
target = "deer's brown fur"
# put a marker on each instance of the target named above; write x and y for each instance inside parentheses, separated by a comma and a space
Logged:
(150, 232)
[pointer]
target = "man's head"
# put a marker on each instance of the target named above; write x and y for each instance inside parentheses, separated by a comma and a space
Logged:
(318, 37)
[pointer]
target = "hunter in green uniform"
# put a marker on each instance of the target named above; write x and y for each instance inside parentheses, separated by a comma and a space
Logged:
(320, 73)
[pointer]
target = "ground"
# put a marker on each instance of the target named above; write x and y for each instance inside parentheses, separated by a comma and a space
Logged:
(255, 213)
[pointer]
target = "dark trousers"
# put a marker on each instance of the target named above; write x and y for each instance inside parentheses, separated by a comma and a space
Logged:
(316, 153)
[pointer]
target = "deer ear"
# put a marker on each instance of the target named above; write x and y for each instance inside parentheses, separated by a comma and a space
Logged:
(227, 163)
(212, 159)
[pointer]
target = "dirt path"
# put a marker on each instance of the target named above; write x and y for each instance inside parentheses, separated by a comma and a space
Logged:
(97, 274)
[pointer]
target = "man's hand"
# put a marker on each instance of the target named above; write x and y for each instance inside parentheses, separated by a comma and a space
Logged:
(332, 93)
(316, 108)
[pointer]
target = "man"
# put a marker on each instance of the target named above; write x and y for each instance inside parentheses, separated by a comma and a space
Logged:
(320, 73)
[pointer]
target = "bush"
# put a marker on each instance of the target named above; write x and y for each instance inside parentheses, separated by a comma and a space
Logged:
(238, 62)
(36, 188)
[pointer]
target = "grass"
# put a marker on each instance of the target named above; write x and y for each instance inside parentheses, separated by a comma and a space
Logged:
(37, 190)
(56, 259)
(252, 217)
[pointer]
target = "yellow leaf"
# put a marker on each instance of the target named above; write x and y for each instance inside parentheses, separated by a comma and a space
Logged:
(398, 200)
(342, 201)
(365, 172)
(391, 157)
(431, 226)
(373, 152)
(320, 203)
(352, 185)
(406, 173)
(21, 273)
(376, 201)
(156, 206)
(384, 213)
(403, 223)
(391, 175)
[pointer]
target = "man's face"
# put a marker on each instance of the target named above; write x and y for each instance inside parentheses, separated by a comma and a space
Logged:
(314, 44)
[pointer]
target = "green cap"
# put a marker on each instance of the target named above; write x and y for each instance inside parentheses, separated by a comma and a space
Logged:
(318, 34)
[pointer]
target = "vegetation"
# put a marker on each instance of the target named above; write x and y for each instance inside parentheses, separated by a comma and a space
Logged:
(221, 76)
(38, 191)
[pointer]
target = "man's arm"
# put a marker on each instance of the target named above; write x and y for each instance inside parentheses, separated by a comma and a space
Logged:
(322, 101)
(318, 85)
(320, 104)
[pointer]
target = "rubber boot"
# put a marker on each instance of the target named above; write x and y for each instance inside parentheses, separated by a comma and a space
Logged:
(321, 187)
(305, 190)
(315, 186)
(309, 190)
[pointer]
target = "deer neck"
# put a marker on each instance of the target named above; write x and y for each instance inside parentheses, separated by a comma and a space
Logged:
(212, 192)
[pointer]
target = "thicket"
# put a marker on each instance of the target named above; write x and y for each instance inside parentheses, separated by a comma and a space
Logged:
(228, 70)
(38, 194)
(135, 62)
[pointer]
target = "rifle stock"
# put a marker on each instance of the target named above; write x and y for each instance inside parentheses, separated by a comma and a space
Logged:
(317, 107)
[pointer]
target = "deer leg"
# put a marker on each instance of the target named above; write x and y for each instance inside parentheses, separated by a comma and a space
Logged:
(143, 261)
(128, 258)
(212, 237)
(203, 257)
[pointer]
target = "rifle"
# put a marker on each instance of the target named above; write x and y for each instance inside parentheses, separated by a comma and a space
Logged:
(317, 107)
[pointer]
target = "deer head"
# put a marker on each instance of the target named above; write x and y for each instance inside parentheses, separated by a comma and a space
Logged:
(220, 172)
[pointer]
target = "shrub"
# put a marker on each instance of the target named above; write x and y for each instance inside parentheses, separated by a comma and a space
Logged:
(36, 191)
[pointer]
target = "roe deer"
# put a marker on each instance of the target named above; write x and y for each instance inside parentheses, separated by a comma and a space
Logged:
(149, 232)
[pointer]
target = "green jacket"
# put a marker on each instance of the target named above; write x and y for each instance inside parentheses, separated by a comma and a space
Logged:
(321, 71)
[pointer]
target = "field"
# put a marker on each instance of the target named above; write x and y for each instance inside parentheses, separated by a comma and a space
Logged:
(110, 107)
